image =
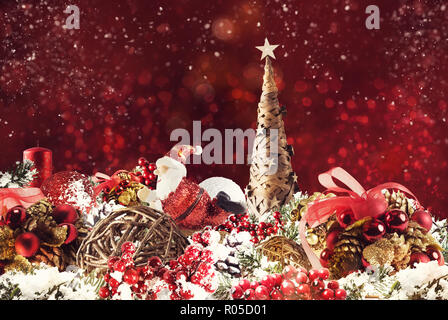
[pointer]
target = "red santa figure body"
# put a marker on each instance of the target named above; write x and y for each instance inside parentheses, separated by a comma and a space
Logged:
(191, 205)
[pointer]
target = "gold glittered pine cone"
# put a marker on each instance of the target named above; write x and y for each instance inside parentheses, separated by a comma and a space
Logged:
(18, 263)
(398, 200)
(51, 256)
(347, 253)
(392, 250)
(418, 239)
(42, 207)
(126, 197)
(46, 229)
(7, 242)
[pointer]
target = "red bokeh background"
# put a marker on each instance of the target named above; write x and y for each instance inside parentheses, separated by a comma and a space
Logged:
(371, 101)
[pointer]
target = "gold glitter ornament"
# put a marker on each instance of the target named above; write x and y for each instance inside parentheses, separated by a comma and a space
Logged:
(398, 200)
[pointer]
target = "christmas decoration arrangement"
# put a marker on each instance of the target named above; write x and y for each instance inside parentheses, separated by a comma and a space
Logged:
(151, 232)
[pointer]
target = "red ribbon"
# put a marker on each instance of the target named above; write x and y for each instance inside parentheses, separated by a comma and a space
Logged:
(11, 197)
(370, 203)
(110, 182)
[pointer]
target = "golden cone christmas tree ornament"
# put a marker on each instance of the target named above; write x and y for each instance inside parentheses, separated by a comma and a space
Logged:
(272, 181)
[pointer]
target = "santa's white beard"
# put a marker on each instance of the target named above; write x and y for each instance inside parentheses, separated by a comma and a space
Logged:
(168, 183)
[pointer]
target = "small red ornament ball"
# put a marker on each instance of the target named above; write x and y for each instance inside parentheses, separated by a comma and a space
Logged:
(65, 213)
(325, 257)
(289, 272)
(346, 218)
(262, 293)
(340, 294)
(27, 244)
(396, 221)
(435, 255)
(418, 257)
(327, 294)
(104, 292)
(15, 217)
(423, 218)
(276, 295)
(69, 187)
(373, 230)
(236, 292)
(131, 276)
(287, 287)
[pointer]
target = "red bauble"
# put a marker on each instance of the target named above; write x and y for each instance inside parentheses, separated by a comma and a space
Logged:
(15, 217)
(325, 257)
(418, 257)
(104, 292)
(267, 281)
(423, 218)
(340, 294)
(332, 239)
(131, 276)
(327, 294)
(346, 218)
(72, 232)
(313, 274)
(301, 278)
(277, 279)
(289, 272)
(27, 244)
(236, 292)
(287, 287)
(262, 293)
(435, 255)
(396, 221)
(276, 295)
(324, 273)
(65, 213)
(244, 284)
(303, 289)
(249, 294)
(69, 187)
(373, 230)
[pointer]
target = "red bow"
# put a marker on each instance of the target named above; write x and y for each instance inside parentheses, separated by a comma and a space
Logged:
(110, 182)
(11, 197)
(370, 203)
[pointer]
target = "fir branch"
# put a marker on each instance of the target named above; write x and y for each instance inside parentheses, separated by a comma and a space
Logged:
(19, 176)
(224, 286)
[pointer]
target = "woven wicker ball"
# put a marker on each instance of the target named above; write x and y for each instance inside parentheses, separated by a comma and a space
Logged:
(284, 250)
(153, 233)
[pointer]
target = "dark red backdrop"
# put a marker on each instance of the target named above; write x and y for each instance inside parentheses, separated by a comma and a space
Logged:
(372, 101)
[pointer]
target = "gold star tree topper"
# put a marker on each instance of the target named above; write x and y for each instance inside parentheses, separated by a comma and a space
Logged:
(267, 49)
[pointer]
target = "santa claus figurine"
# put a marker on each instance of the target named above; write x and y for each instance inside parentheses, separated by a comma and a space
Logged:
(191, 205)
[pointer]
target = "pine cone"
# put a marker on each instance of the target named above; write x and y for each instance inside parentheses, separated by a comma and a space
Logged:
(42, 207)
(418, 239)
(128, 197)
(392, 250)
(7, 249)
(398, 200)
(51, 256)
(46, 229)
(347, 253)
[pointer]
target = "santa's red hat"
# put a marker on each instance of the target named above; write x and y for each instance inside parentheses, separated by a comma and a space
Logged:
(181, 152)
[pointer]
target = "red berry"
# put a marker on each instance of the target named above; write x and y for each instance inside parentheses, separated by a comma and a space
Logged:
(327, 294)
(324, 273)
(287, 287)
(111, 262)
(289, 272)
(276, 295)
(142, 161)
(169, 277)
(244, 284)
(340, 294)
(237, 292)
(333, 284)
(104, 292)
(106, 277)
(128, 247)
(317, 285)
(277, 279)
(113, 283)
(313, 274)
(268, 281)
(277, 215)
(254, 284)
(262, 293)
(151, 176)
(151, 167)
(173, 264)
(249, 294)
(301, 278)
(154, 262)
(120, 266)
(131, 276)
(303, 289)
